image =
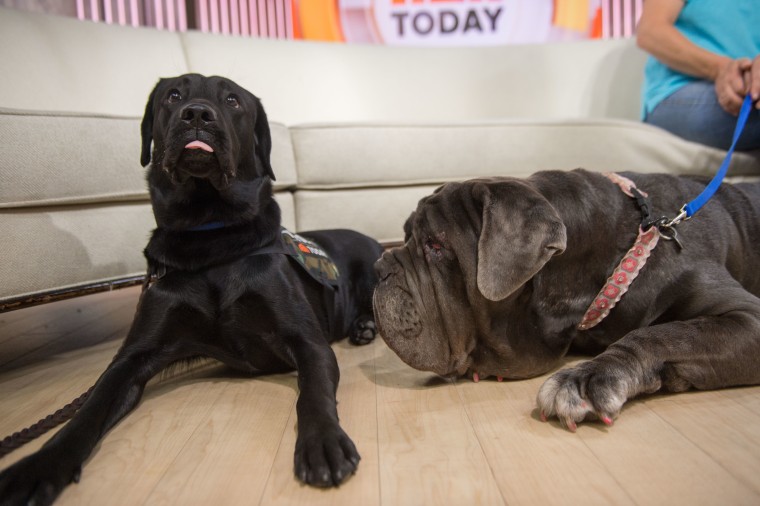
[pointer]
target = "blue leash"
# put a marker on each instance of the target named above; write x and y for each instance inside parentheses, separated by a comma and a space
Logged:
(690, 209)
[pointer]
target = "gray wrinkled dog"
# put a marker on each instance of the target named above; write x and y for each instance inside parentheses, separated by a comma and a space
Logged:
(496, 276)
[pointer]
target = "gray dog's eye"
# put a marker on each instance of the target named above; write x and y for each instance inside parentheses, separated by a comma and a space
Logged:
(434, 248)
(232, 101)
(174, 96)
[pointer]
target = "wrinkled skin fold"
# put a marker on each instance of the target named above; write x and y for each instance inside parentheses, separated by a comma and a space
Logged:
(496, 274)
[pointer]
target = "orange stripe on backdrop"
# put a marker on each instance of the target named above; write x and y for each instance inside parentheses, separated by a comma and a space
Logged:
(318, 20)
(294, 19)
(596, 25)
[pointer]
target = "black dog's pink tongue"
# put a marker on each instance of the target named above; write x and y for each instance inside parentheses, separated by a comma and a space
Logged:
(200, 145)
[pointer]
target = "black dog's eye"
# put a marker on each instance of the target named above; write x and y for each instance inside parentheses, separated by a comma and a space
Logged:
(232, 101)
(174, 96)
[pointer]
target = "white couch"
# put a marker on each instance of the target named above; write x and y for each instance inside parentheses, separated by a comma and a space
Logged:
(360, 132)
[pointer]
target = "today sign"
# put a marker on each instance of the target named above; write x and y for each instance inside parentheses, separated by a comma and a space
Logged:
(461, 22)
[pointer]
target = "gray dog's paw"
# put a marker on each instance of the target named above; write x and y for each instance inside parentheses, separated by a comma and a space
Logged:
(363, 331)
(572, 394)
(326, 458)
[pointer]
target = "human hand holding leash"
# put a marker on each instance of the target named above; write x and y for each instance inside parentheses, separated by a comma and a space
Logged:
(732, 83)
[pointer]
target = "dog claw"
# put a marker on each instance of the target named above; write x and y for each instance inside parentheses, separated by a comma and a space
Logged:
(499, 378)
(543, 417)
(475, 377)
(606, 420)
(571, 426)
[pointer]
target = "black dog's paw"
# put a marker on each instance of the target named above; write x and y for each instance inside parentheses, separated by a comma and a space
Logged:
(35, 480)
(363, 331)
(325, 458)
(589, 388)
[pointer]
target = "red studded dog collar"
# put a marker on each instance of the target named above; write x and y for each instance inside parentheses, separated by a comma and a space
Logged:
(628, 268)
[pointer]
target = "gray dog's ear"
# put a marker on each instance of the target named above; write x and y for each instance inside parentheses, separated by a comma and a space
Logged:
(263, 138)
(408, 227)
(521, 232)
(146, 127)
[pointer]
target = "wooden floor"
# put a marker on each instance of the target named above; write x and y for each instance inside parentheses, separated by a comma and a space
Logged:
(210, 437)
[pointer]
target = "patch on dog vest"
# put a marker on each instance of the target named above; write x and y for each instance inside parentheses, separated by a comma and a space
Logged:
(311, 257)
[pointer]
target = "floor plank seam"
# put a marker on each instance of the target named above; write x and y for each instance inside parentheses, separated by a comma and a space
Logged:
(480, 443)
(180, 450)
(377, 426)
(265, 487)
(749, 408)
(67, 335)
(752, 486)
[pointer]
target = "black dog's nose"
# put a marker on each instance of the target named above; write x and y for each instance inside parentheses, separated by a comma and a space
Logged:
(198, 114)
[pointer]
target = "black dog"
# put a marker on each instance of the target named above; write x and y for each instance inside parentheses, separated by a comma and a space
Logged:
(226, 285)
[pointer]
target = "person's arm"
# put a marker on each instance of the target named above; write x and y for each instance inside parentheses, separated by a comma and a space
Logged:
(657, 35)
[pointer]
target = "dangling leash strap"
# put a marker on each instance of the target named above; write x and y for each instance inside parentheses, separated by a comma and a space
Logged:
(690, 209)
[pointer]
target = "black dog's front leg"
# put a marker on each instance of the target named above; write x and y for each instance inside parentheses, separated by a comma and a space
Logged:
(40, 477)
(325, 455)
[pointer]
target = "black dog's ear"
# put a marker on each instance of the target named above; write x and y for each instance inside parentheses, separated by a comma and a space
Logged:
(263, 138)
(146, 127)
(521, 232)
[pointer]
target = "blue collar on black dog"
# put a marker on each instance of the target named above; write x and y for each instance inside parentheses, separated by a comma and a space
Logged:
(213, 225)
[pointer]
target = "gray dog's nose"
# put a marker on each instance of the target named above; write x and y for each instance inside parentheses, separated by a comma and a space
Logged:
(384, 267)
(198, 114)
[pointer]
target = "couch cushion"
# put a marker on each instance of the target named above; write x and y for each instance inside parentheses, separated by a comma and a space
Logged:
(283, 157)
(62, 158)
(360, 155)
(306, 81)
(58, 158)
(65, 246)
(377, 212)
(287, 209)
(62, 64)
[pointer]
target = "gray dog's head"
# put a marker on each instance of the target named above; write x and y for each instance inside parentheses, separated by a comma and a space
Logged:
(448, 299)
